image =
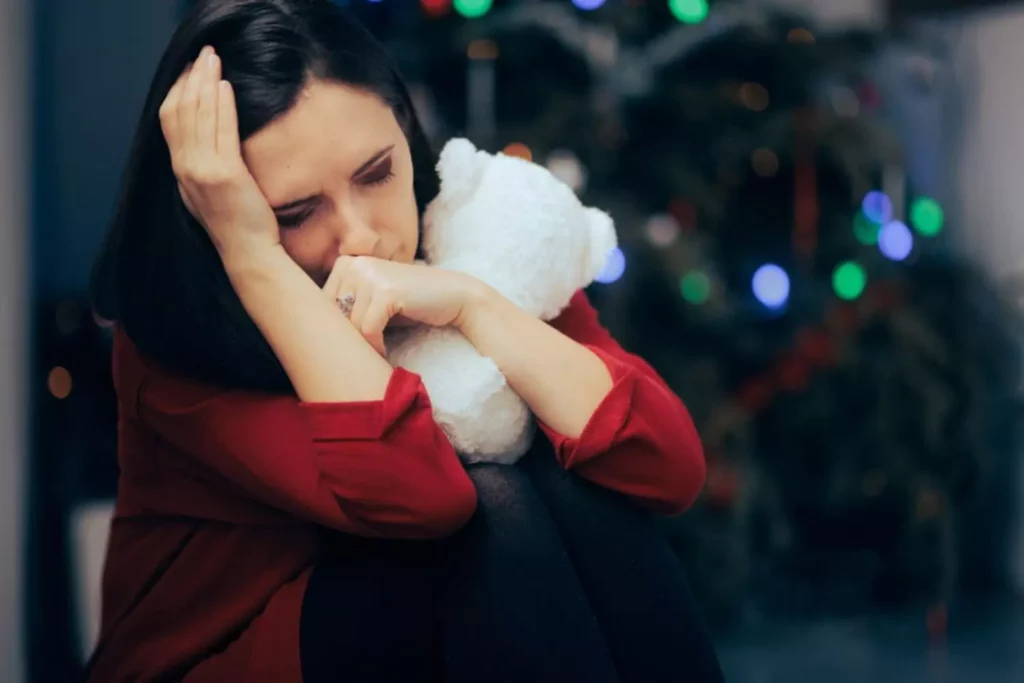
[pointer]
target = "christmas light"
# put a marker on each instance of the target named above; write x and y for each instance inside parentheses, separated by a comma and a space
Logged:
(689, 11)
(848, 280)
(614, 267)
(436, 8)
(926, 216)
(895, 241)
(865, 229)
(695, 287)
(877, 207)
(587, 5)
(518, 149)
(564, 165)
(771, 285)
(472, 9)
(662, 230)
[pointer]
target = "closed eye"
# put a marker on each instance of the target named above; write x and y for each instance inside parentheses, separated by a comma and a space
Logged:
(294, 220)
(379, 173)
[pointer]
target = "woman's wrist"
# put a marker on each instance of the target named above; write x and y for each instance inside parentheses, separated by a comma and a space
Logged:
(480, 301)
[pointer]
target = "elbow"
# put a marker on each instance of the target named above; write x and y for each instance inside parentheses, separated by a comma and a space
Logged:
(686, 472)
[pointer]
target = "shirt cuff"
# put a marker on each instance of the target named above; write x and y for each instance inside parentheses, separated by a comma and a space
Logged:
(367, 420)
(604, 427)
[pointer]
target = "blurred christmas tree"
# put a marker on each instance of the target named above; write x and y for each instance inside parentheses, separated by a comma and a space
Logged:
(855, 384)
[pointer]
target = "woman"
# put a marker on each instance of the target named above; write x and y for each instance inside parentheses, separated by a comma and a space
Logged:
(287, 509)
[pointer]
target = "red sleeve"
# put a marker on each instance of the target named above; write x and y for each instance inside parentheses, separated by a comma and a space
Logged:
(641, 440)
(376, 468)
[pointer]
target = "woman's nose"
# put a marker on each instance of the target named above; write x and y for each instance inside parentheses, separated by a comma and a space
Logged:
(356, 237)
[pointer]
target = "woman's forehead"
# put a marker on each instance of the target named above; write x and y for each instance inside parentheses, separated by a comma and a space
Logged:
(331, 131)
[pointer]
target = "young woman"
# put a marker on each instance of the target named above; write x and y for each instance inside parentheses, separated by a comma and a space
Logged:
(288, 510)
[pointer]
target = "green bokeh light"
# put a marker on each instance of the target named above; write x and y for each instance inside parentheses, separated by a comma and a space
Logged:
(848, 280)
(696, 287)
(926, 216)
(689, 11)
(865, 229)
(472, 8)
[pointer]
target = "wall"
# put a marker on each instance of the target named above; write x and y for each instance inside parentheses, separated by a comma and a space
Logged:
(14, 177)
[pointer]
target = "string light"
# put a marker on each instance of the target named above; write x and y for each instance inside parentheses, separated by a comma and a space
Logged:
(765, 162)
(926, 216)
(59, 382)
(518, 149)
(771, 286)
(895, 241)
(848, 280)
(436, 8)
(877, 207)
(614, 267)
(565, 166)
(689, 11)
(865, 229)
(472, 9)
(754, 96)
(695, 287)
(662, 230)
(587, 5)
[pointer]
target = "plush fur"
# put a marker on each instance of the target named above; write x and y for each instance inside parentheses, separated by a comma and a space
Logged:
(515, 226)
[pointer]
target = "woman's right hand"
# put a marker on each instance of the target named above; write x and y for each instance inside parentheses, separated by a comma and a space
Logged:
(200, 123)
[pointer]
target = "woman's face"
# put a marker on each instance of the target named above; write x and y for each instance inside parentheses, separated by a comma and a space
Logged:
(337, 170)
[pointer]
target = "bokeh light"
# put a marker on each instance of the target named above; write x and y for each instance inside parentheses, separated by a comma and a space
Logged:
(771, 285)
(926, 216)
(689, 11)
(877, 207)
(695, 287)
(471, 9)
(848, 280)
(614, 267)
(895, 240)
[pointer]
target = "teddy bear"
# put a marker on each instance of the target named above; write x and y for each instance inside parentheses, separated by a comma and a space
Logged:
(512, 224)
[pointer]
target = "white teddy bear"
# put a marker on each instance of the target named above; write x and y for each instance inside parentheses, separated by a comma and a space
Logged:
(515, 226)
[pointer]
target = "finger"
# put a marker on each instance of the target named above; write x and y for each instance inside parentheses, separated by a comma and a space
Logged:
(363, 295)
(374, 320)
(189, 101)
(206, 112)
(227, 121)
(338, 273)
(169, 107)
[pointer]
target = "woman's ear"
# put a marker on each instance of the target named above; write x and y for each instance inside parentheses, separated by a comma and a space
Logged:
(459, 167)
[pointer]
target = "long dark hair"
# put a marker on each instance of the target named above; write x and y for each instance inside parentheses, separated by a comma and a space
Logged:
(158, 274)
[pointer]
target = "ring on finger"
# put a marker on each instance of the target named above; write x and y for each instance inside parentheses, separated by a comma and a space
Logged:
(346, 302)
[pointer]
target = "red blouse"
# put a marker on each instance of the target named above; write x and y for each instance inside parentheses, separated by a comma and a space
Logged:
(213, 538)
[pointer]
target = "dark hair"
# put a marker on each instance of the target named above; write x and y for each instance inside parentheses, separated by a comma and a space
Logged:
(158, 274)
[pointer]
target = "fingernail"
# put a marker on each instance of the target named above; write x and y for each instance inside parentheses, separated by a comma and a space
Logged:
(211, 60)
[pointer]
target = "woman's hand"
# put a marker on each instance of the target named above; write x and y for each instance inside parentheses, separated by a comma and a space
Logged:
(200, 123)
(374, 292)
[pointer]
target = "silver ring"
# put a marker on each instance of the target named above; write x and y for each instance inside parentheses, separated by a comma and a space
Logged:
(345, 303)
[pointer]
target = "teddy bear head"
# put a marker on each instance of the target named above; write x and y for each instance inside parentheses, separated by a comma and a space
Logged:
(514, 225)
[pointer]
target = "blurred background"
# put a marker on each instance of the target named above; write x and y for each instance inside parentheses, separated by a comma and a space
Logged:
(820, 207)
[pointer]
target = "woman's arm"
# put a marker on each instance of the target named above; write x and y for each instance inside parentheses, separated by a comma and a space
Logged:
(370, 468)
(609, 415)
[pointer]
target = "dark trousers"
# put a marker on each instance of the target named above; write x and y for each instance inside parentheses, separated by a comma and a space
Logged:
(553, 580)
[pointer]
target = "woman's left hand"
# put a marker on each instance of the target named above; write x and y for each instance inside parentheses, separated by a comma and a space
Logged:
(373, 292)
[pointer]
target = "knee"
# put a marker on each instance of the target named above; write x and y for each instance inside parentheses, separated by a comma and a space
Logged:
(499, 486)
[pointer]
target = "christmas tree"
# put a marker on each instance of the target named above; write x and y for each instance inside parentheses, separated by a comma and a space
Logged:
(854, 382)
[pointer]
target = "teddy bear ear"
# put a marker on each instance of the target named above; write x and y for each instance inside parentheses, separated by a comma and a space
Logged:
(602, 241)
(459, 167)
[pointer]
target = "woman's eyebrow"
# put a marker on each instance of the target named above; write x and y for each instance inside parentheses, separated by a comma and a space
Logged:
(368, 164)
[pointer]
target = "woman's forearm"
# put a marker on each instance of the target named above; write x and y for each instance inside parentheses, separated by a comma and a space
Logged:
(326, 358)
(561, 380)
